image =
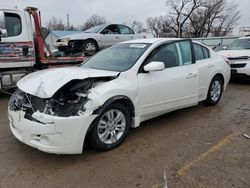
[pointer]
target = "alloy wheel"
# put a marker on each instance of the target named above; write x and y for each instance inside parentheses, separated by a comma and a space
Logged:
(111, 126)
(215, 91)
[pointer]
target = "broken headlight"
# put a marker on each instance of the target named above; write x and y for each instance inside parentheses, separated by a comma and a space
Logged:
(68, 101)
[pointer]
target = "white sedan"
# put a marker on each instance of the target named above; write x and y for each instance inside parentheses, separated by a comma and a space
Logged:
(238, 56)
(58, 110)
(98, 37)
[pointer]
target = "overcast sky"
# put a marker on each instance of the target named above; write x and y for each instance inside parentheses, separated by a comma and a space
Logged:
(116, 11)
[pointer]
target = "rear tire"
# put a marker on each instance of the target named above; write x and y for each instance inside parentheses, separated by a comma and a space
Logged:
(110, 128)
(214, 92)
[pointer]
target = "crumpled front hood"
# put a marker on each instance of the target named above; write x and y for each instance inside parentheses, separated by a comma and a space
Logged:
(234, 53)
(45, 83)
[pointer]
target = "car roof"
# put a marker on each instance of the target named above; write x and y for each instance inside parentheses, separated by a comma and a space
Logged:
(246, 37)
(9, 8)
(152, 40)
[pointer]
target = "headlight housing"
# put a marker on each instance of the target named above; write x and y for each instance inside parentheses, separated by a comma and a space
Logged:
(226, 59)
(68, 101)
(64, 40)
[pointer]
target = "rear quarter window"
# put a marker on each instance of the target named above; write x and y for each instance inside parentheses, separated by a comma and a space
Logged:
(201, 52)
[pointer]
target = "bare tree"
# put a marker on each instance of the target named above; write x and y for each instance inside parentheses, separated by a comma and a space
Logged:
(216, 18)
(159, 26)
(199, 18)
(138, 26)
(180, 12)
(94, 20)
(227, 20)
(56, 24)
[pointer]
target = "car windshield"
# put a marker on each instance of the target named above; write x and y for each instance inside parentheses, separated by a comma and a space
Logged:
(95, 29)
(239, 44)
(119, 57)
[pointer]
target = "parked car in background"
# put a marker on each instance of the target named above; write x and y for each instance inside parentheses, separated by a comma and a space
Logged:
(98, 37)
(238, 56)
(57, 110)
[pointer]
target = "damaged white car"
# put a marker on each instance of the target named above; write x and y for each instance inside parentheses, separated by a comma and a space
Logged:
(96, 38)
(58, 110)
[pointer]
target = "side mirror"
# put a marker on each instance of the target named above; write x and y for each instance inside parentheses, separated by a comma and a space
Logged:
(154, 66)
(3, 33)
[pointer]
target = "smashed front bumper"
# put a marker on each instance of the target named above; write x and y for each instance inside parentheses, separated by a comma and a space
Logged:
(58, 135)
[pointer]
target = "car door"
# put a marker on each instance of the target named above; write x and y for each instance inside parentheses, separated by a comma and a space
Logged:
(174, 87)
(110, 35)
(205, 68)
(125, 33)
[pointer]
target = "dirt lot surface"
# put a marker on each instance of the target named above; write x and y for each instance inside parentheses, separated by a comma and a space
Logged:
(197, 147)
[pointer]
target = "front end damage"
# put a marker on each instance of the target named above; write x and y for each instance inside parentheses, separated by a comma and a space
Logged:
(57, 124)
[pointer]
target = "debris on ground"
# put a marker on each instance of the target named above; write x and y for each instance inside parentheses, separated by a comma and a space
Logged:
(246, 136)
(165, 183)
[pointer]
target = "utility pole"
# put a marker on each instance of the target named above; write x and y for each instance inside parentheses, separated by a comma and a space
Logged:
(68, 21)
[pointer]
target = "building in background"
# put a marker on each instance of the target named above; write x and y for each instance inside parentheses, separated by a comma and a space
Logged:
(244, 31)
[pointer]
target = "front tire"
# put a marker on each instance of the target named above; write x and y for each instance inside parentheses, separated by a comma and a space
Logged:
(110, 128)
(89, 47)
(214, 92)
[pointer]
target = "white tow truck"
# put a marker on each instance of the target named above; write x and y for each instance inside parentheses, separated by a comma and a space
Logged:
(22, 46)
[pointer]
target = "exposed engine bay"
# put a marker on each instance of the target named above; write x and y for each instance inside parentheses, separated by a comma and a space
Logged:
(69, 100)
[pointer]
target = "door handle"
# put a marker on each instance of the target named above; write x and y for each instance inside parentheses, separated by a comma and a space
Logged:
(210, 66)
(117, 37)
(191, 75)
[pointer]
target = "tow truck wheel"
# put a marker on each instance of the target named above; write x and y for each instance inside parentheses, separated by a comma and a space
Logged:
(89, 47)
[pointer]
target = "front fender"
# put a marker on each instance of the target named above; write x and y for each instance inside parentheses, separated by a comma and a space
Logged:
(108, 91)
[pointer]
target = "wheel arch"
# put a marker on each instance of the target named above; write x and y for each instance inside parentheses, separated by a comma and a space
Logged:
(208, 101)
(221, 77)
(124, 100)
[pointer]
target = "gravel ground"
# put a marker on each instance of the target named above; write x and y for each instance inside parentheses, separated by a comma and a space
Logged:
(197, 147)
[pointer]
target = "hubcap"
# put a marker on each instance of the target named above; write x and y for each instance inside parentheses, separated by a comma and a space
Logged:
(90, 48)
(215, 91)
(111, 126)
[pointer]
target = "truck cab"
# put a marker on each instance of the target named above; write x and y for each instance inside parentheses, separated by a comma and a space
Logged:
(17, 54)
(23, 48)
